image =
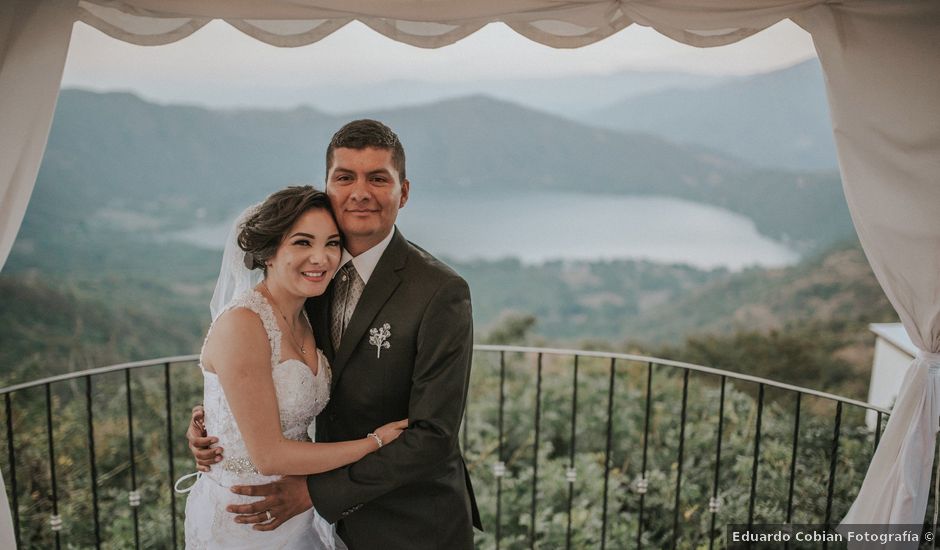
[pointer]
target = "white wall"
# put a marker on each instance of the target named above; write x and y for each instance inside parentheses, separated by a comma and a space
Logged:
(888, 369)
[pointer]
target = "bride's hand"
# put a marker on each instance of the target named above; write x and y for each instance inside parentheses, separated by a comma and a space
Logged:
(200, 442)
(391, 431)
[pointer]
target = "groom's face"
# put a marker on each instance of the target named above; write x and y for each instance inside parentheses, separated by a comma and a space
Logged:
(366, 193)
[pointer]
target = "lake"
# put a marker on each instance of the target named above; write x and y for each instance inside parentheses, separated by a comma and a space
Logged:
(536, 227)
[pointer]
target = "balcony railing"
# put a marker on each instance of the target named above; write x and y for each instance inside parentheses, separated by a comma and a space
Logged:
(566, 448)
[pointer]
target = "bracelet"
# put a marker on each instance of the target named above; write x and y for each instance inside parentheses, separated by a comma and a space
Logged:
(376, 437)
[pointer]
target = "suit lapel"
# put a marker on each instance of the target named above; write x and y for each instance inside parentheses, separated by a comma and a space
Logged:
(378, 290)
(318, 310)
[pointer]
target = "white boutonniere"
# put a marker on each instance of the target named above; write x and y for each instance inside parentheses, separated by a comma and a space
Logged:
(378, 337)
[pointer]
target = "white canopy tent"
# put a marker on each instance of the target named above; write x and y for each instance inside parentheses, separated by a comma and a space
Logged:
(881, 60)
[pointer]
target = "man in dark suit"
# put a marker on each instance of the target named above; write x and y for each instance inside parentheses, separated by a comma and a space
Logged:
(396, 326)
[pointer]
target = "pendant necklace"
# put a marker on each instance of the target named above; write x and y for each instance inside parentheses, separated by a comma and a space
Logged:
(293, 338)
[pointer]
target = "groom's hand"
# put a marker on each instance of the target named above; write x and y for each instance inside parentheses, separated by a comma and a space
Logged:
(199, 442)
(284, 499)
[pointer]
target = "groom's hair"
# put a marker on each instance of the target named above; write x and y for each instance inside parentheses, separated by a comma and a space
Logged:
(364, 133)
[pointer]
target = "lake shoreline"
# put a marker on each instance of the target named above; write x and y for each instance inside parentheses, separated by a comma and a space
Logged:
(538, 228)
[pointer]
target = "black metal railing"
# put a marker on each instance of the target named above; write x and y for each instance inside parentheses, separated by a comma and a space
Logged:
(614, 457)
(134, 500)
(680, 529)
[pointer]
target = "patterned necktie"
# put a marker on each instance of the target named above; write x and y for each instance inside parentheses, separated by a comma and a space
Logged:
(347, 294)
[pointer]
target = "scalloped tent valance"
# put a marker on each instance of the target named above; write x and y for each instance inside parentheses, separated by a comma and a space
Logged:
(438, 23)
(881, 60)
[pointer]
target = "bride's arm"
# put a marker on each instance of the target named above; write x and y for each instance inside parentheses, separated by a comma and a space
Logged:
(239, 353)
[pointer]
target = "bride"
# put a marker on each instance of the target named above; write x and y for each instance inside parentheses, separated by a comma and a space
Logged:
(265, 379)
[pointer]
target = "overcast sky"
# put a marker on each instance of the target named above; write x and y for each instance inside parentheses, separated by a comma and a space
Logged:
(220, 66)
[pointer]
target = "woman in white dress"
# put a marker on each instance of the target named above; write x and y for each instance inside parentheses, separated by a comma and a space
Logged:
(265, 379)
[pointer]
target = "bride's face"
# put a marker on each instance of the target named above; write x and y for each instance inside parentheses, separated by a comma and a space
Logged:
(307, 257)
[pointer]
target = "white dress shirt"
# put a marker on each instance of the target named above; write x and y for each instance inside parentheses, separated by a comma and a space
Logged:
(365, 263)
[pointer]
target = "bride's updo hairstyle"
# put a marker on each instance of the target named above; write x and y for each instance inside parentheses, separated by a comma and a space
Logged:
(267, 226)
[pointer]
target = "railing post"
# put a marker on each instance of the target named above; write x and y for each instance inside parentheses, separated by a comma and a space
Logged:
(756, 462)
(675, 516)
(833, 461)
(133, 497)
(793, 454)
(535, 453)
(642, 484)
(92, 464)
(55, 521)
(499, 469)
(714, 504)
(877, 433)
(610, 425)
(571, 474)
(169, 448)
(11, 452)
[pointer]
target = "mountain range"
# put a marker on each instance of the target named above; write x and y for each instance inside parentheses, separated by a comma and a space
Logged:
(778, 119)
(114, 159)
(570, 96)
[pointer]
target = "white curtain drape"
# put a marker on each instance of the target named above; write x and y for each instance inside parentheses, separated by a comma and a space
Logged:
(34, 41)
(882, 67)
(881, 60)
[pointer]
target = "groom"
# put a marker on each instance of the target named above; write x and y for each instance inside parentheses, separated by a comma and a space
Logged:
(396, 326)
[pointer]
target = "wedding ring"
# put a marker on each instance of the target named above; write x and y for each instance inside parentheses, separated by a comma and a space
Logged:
(268, 513)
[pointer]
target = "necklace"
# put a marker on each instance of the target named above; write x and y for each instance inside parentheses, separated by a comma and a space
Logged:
(292, 328)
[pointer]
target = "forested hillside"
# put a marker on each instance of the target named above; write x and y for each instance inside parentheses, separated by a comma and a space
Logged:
(789, 323)
(835, 286)
(51, 328)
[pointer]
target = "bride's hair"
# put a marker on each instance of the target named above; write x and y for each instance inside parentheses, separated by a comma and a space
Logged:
(265, 228)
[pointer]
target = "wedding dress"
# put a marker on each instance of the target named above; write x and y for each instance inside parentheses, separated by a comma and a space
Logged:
(301, 395)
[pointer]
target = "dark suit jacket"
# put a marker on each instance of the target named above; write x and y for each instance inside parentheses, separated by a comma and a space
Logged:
(414, 493)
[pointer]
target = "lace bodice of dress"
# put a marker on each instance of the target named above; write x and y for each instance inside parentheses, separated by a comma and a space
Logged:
(300, 397)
